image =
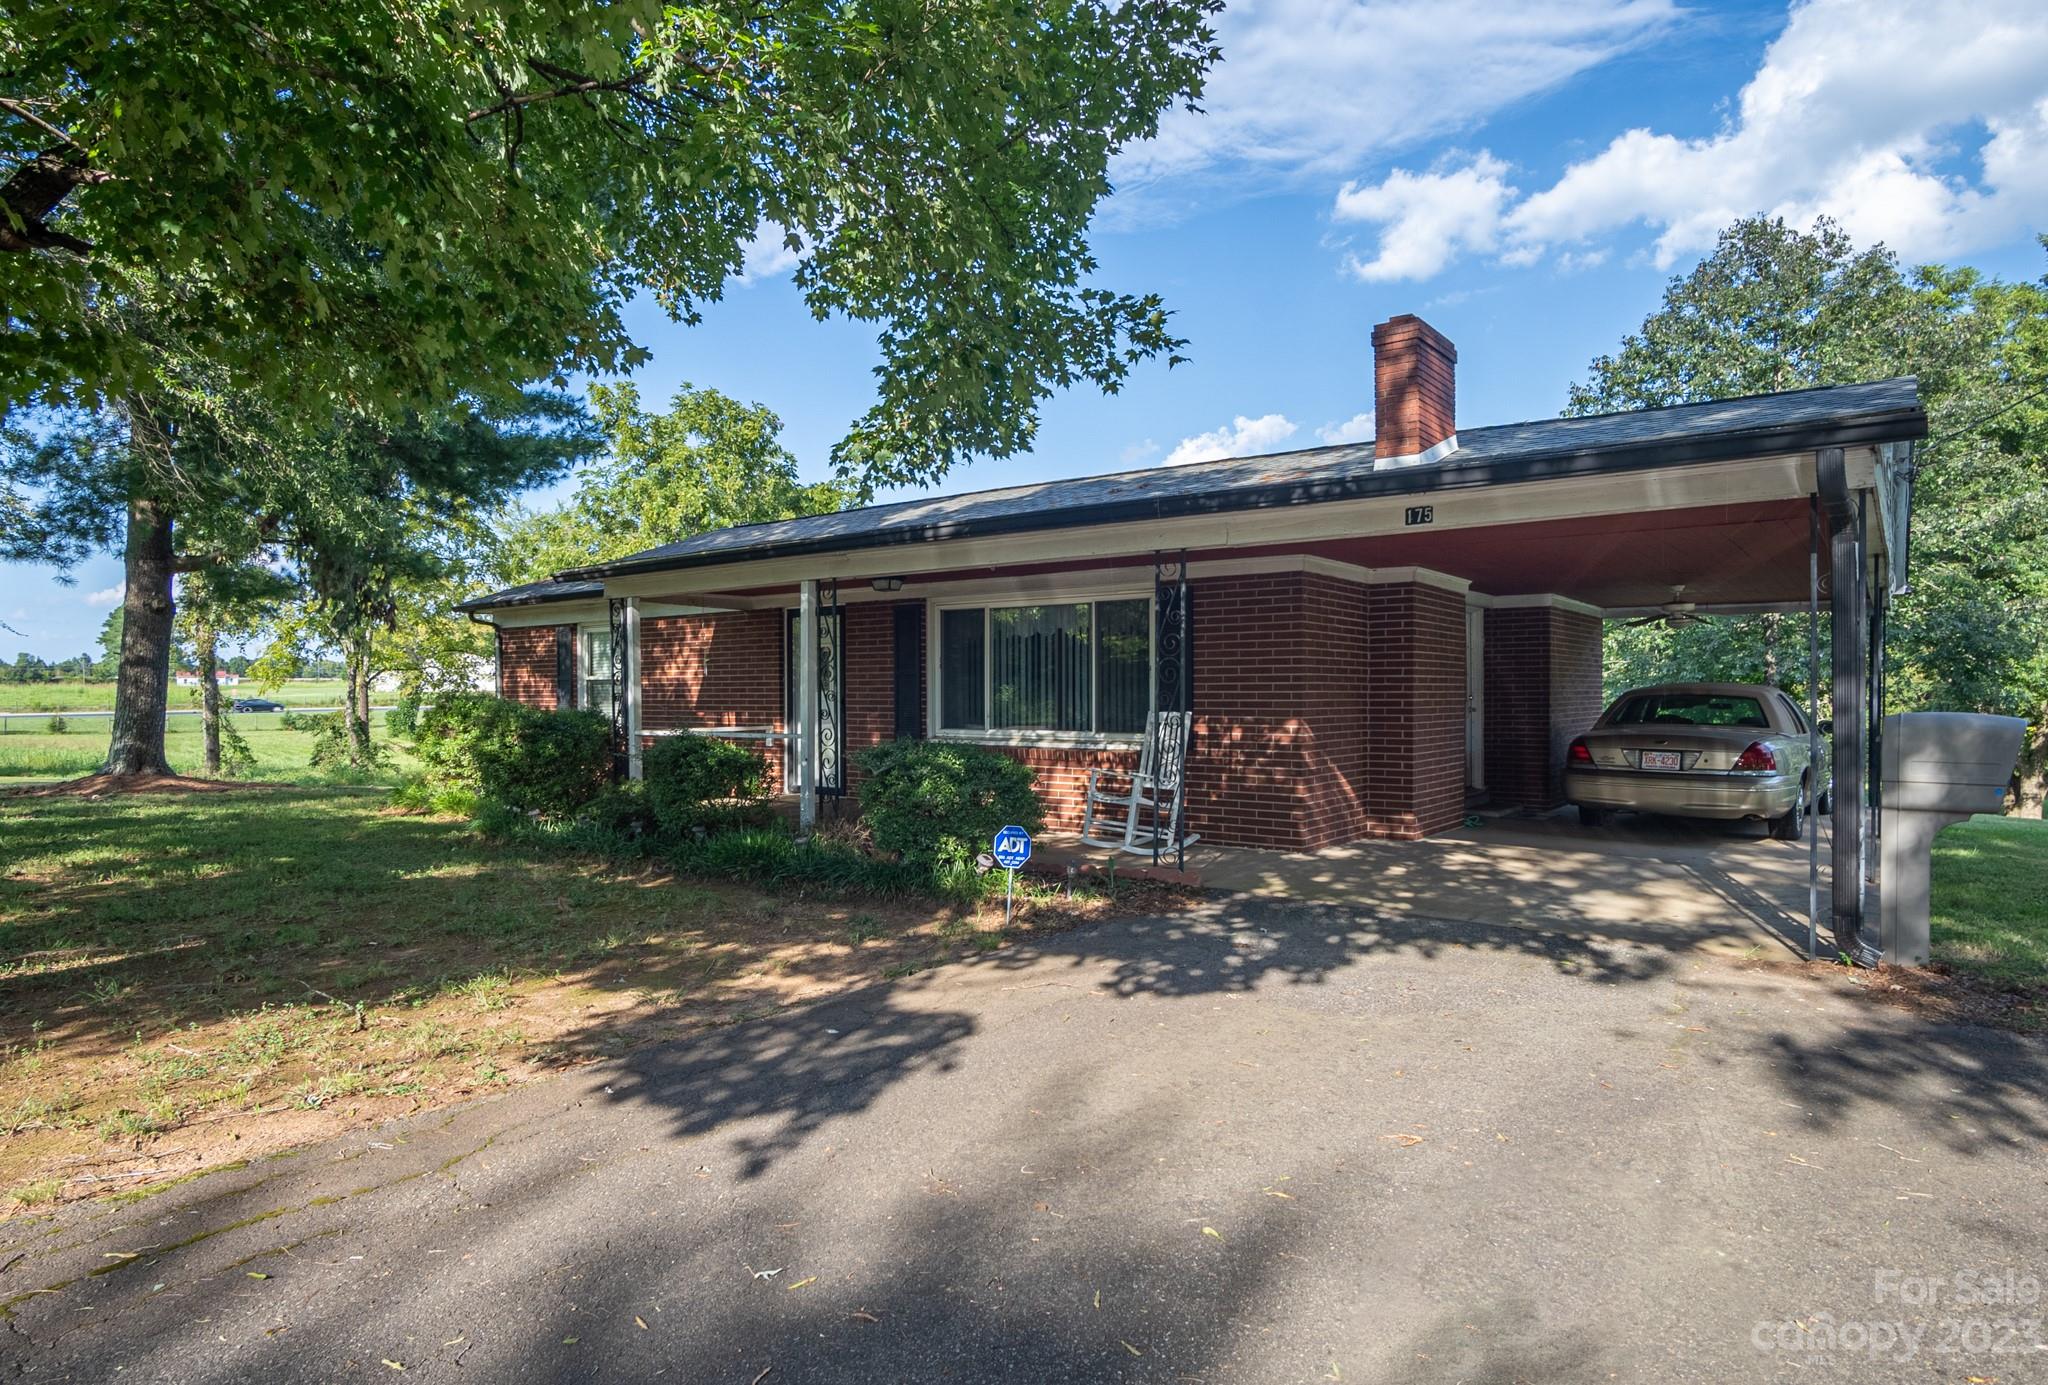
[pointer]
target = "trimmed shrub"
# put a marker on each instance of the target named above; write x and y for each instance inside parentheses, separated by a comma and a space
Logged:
(551, 763)
(704, 782)
(938, 804)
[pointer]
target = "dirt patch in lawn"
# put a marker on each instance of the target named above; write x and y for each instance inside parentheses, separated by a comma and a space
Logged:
(99, 785)
(186, 986)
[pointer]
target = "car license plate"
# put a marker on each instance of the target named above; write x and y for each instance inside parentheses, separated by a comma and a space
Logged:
(1659, 759)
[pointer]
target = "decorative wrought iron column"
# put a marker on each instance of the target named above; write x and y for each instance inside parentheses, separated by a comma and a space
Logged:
(616, 611)
(1174, 667)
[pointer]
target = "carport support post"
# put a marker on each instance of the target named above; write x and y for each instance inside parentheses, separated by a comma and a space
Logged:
(1813, 725)
(807, 706)
(1846, 605)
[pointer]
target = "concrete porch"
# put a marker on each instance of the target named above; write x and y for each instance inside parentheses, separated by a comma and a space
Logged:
(1719, 887)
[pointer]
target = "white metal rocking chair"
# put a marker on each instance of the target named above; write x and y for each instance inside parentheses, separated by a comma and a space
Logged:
(1151, 801)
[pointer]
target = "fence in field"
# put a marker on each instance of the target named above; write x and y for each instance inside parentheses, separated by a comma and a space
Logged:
(7, 719)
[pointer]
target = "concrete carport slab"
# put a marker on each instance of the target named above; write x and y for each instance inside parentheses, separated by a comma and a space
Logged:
(1720, 887)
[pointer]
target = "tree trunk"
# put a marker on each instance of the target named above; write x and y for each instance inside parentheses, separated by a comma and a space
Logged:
(209, 694)
(142, 684)
(355, 709)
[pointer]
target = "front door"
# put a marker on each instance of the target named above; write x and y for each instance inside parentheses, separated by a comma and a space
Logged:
(831, 703)
(1475, 697)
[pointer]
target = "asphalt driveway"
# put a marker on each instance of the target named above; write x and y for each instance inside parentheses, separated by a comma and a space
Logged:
(1268, 1143)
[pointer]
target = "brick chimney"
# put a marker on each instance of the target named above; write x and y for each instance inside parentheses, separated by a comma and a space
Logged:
(1415, 370)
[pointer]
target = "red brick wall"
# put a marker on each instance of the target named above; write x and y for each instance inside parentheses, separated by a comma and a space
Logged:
(722, 669)
(871, 678)
(1324, 710)
(1575, 691)
(1414, 780)
(526, 665)
(1542, 669)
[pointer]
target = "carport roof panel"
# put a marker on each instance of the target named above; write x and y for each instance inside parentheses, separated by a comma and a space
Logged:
(1759, 425)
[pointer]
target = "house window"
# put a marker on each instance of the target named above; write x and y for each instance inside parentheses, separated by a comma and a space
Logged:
(1073, 668)
(596, 669)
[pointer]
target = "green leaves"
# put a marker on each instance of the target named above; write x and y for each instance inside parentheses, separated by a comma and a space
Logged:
(1777, 308)
(384, 207)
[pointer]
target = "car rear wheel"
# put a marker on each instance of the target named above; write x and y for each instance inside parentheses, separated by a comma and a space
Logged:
(1591, 817)
(1824, 806)
(1791, 827)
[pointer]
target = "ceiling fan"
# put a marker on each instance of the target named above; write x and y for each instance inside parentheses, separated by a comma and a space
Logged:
(1673, 613)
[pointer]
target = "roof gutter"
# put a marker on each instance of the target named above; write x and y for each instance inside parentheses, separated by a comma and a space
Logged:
(1890, 426)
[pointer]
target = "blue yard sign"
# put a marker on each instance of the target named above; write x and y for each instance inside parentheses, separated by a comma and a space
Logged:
(1012, 847)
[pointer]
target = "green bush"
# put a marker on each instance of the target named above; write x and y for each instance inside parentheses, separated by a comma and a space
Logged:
(620, 808)
(453, 737)
(939, 804)
(551, 763)
(58, 726)
(704, 782)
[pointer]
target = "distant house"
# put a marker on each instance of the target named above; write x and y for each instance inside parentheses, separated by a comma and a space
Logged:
(189, 678)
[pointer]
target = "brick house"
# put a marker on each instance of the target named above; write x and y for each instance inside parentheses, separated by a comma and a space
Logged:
(1377, 635)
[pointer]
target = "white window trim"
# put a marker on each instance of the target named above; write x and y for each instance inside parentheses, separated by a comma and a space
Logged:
(1060, 596)
(584, 631)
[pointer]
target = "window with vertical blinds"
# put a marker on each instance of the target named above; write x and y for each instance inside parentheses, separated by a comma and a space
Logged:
(1073, 667)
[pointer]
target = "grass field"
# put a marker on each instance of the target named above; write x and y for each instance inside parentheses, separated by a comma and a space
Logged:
(192, 979)
(71, 695)
(281, 755)
(1991, 899)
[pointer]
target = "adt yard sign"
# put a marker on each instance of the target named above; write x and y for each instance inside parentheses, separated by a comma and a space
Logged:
(1011, 848)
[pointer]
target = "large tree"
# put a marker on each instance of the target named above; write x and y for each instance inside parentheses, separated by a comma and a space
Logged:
(1773, 308)
(709, 462)
(375, 198)
(360, 205)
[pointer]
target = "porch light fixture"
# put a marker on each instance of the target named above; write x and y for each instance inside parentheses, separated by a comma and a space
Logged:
(887, 584)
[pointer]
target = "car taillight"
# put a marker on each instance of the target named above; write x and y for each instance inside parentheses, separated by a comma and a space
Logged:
(1579, 754)
(1758, 757)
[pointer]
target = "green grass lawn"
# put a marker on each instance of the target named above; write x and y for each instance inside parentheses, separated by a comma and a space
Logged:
(28, 755)
(72, 695)
(1991, 899)
(228, 973)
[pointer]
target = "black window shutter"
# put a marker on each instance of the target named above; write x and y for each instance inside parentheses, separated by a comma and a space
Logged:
(565, 666)
(909, 670)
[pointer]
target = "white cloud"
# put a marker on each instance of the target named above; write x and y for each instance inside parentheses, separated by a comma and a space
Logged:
(1862, 110)
(1139, 453)
(1357, 428)
(768, 256)
(110, 597)
(1241, 437)
(1429, 218)
(1324, 86)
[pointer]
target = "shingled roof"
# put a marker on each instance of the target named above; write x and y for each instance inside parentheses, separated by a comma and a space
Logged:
(1758, 425)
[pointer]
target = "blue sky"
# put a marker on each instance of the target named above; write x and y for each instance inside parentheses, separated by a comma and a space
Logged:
(1525, 175)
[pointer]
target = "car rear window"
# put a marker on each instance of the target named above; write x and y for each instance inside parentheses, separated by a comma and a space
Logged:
(1690, 709)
